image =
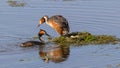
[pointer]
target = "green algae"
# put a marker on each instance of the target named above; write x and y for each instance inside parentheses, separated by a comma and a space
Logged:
(85, 38)
(14, 3)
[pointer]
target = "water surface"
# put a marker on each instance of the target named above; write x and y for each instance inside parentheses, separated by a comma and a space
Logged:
(18, 24)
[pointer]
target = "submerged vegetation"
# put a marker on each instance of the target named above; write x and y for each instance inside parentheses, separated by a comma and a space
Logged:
(85, 38)
(14, 3)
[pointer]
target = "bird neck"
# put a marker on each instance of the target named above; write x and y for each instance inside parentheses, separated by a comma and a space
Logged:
(46, 19)
(41, 39)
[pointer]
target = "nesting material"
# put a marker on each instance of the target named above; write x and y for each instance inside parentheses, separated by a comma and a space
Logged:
(85, 38)
(16, 3)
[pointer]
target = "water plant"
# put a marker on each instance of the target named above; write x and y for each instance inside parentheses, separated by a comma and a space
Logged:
(85, 38)
(14, 3)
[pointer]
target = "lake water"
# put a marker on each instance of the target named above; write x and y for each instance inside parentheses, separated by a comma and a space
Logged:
(18, 24)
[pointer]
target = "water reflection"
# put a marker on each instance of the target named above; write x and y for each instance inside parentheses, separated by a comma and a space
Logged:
(55, 53)
(16, 3)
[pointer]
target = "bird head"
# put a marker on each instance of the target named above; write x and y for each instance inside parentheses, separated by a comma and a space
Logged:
(41, 33)
(43, 20)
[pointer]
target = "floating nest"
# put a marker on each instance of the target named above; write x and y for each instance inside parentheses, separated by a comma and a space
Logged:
(86, 38)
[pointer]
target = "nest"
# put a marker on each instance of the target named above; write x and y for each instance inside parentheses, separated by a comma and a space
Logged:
(85, 38)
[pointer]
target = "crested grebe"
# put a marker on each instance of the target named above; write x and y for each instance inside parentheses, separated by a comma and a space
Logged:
(41, 33)
(57, 22)
(31, 43)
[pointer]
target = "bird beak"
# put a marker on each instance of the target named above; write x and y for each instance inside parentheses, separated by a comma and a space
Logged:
(38, 25)
(48, 35)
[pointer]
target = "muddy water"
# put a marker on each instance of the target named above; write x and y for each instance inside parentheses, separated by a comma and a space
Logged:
(18, 24)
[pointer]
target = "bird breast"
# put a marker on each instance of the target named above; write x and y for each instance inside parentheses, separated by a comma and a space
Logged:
(53, 24)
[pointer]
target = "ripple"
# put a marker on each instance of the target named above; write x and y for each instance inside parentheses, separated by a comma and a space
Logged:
(11, 45)
(94, 16)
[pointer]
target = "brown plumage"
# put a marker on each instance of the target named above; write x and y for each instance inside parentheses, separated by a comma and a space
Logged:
(41, 33)
(31, 43)
(57, 22)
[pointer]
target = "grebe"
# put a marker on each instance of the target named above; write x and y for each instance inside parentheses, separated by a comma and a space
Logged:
(31, 43)
(57, 22)
(41, 33)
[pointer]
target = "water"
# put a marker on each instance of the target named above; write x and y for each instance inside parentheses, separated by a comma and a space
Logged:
(18, 24)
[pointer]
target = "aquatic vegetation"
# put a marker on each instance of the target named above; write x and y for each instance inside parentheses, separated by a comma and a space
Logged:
(85, 38)
(14, 3)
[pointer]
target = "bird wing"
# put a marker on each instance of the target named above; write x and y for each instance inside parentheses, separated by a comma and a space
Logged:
(61, 21)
